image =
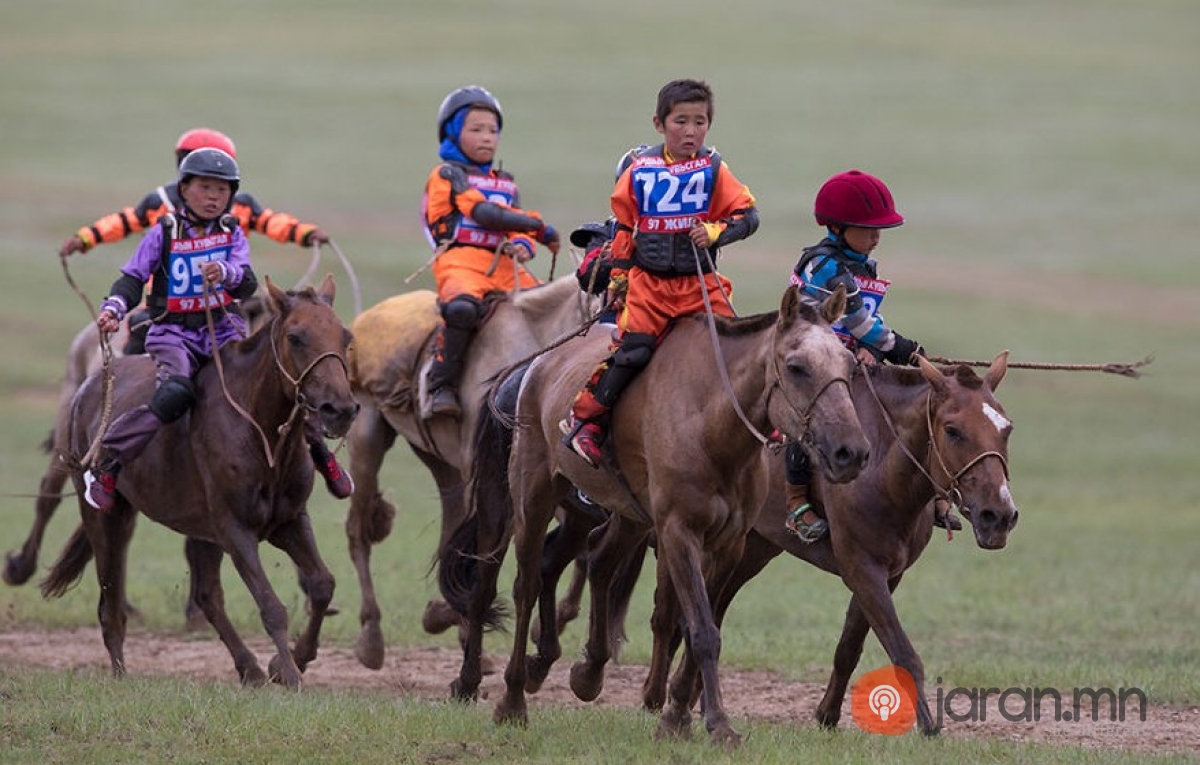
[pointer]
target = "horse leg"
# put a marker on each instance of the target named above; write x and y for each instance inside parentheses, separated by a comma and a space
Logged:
(491, 542)
(19, 566)
(204, 562)
(879, 609)
(679, 552)
(109, 535)
(368, 522)
(565, 545)
(243, 549)
(530, 522)
(439, 616)
(297, 540)
(617, 538)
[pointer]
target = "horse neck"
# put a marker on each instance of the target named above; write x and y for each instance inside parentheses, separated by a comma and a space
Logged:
(904, 393)
(747, 358)
(552, 309)
(255, 381)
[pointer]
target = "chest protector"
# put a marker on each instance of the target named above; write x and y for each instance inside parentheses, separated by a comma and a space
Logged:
(670, 198)
(178, 282)
(871, 289)
(460, 230)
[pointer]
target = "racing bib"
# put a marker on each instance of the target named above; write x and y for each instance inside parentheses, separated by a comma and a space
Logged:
(185, 291)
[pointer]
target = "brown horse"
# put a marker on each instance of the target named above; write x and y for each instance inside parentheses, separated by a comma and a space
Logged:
(932, 432)
(226, 479)
(83, 359)
(391, 348)
(689, 469)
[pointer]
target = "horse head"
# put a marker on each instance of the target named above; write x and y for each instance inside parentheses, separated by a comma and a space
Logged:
(968, 432)
(309, 342)
(812, 371)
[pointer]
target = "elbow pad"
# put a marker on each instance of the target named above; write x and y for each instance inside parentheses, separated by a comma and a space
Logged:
(498, 218)
(740, 227)
(248, 286)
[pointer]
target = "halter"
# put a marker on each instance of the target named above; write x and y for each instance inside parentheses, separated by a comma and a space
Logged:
(776, 383)
(951, 494)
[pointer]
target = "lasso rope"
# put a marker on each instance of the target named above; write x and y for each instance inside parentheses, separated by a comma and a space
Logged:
(354, 286)
(106, 378)
(1124, 370)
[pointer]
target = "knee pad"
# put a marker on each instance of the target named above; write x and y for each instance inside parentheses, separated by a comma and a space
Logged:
(635, 351)
(172, 398)
(462, 312)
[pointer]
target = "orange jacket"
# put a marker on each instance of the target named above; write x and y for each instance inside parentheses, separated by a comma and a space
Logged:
(114, 227)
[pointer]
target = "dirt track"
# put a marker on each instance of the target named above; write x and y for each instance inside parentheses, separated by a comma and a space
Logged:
(426, 673)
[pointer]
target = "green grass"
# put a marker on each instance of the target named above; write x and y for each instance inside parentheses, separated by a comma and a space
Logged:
(1043, 153)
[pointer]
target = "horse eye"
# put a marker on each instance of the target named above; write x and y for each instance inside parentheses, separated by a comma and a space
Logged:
(953, 433)
(797, 369)
(295, 340)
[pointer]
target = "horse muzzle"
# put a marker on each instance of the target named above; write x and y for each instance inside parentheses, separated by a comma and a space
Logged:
(991, 525)
(336, 418)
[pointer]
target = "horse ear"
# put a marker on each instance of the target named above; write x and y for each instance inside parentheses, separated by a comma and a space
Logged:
(277, 297)
(834, 306)
(327, 290)
(996, 371)
(791, 303)
(932, 374)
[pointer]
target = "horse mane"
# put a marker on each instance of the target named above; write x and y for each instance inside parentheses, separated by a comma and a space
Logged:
(543, 298)
(740, 326)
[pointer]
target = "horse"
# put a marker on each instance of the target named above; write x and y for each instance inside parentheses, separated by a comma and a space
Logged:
(690, 468)
(392, 347)
(232, 472)
(933, 432)
(83, 359)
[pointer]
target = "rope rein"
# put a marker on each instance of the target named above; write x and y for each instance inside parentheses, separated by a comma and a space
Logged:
(1124, 370)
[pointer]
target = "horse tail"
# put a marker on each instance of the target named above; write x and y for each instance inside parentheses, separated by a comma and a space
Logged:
(621, 594)
(70, 565)
(484, 533)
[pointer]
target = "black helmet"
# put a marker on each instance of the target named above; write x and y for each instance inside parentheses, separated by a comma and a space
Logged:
(471, 95)
(592, 234)
(628, 157)
(210, 163)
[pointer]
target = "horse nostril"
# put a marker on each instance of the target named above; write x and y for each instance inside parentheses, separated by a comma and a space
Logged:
(988, 517)
(1012, 523)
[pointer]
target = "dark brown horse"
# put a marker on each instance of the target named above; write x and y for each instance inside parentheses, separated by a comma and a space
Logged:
(225, 479)
(689, 469)
(391, 347)
(932, 432)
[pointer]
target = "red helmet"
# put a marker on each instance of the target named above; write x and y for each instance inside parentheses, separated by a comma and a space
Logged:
(205, 138)
(855, 198)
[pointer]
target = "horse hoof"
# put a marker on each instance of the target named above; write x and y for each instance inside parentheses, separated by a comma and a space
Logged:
(459, 692)
(438, 617)
(253, 677)
(726, 737)
(515, 715)
(194, 620)
(586, 682)
(16, 572)
(369, 647)
(674, 724)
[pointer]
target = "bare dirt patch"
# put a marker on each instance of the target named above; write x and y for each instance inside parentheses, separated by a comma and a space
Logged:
(425, 673)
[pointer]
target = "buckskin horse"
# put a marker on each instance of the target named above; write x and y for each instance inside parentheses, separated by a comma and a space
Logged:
(224, 476)
(933, 432)
(391, 347)
(690, 469)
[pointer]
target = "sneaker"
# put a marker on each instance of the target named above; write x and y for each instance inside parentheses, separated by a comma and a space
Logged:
(584, 439)
(100, 489)
(444, 401)
(806, 532)
(337, 480)
(944, 517)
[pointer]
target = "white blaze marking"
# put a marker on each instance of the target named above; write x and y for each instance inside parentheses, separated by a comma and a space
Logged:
(1006, 496)
(1000, 421)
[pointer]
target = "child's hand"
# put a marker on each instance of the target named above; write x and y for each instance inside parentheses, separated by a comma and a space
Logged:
(213, 271)
(70, 247)
(865, 357)
(108, 322)
(699, 235)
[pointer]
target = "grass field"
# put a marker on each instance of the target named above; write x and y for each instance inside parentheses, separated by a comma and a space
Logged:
(1044, 154)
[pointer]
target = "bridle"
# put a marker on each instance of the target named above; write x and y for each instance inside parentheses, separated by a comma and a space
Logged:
(951, 493)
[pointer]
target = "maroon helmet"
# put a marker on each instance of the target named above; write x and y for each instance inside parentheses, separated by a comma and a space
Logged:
(855, 198)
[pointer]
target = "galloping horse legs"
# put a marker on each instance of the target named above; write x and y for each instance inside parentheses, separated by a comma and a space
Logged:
(606, 561)
(109, 535)
(243, 550)
(297, 540)
(19, 566)
(369, 439)
(679, 552)
(204, 560)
